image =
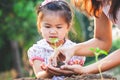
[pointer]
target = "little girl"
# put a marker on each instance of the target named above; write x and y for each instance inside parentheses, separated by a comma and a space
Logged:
(54, 20)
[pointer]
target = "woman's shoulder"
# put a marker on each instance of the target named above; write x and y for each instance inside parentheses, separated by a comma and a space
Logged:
(106, 12)
(118, 19)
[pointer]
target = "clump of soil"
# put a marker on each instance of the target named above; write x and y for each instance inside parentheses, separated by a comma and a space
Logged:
(60, 63)
(79, 77)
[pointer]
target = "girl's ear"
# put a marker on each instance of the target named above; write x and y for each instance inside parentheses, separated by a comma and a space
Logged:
(40, 30)
(69, 26)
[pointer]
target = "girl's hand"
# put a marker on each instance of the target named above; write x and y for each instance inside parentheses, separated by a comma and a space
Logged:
(58, 71)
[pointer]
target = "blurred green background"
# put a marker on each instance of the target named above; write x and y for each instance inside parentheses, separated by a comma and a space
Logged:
(18, 31)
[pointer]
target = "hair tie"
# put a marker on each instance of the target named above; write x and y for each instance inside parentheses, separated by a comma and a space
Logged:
(47, 1)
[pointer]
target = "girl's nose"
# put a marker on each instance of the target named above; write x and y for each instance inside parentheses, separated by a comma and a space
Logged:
(53, 31)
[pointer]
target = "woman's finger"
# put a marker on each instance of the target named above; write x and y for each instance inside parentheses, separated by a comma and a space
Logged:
(77, 69)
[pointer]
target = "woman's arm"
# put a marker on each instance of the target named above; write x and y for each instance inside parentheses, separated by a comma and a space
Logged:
(109, 62)
(102, 37)
(39, 73)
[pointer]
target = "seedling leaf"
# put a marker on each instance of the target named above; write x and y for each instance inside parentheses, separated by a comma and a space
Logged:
(103, 52)
(98, 52)
(53, 40)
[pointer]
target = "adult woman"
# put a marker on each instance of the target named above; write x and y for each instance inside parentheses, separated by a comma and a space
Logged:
(106, 12)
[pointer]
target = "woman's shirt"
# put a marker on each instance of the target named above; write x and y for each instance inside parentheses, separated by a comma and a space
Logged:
(42, 51)
(106, 10)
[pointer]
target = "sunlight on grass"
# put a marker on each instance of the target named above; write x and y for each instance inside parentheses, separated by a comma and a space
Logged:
(6, 75)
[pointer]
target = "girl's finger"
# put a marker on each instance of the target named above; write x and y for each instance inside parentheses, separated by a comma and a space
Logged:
(43, 66)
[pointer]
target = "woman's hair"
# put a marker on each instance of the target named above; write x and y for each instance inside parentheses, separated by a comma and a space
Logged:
(94, 7)
(114, 8)
(59, 7)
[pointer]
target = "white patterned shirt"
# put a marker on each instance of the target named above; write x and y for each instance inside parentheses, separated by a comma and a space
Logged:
(42, 51)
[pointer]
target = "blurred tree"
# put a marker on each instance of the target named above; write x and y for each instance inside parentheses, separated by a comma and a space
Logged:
(17, 30)
(83, 26)
(115, 45)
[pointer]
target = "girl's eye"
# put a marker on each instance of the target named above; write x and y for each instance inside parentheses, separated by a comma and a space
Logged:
(59, 27)
(47, 26)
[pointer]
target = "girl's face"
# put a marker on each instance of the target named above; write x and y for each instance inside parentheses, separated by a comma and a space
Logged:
(54, 26)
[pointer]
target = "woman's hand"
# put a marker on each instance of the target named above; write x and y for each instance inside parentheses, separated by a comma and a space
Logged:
(61, 54)
(77, 69)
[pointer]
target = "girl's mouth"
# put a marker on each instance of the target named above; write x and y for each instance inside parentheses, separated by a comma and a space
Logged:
(53, 37)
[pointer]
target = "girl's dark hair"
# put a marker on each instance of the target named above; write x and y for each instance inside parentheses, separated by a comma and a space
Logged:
(62, 6)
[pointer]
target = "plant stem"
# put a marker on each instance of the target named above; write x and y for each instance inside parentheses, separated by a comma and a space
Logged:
(99, 68)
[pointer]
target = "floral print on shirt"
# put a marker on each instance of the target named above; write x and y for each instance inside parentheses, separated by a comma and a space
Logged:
(42, 51)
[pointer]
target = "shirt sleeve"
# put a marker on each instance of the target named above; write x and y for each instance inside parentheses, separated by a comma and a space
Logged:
(35, 53)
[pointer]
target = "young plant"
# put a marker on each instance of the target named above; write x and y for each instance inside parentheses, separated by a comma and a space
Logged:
(97, 52)
(54, 41)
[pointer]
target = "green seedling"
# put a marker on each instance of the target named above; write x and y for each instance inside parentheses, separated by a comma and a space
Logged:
(97, 52)
(54, 41)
